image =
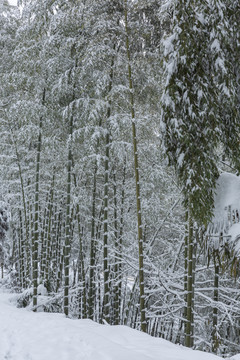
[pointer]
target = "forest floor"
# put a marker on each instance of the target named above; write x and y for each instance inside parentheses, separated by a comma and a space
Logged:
(25, 335)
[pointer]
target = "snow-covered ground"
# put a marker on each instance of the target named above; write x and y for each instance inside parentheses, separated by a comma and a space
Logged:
(25, 335)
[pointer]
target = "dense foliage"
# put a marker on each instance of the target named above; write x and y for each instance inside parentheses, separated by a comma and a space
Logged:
(83, 85)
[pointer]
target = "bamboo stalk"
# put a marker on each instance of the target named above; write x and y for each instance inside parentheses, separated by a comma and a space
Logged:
(188, 334)
(36, 213)
(68, 219)
(137, 180)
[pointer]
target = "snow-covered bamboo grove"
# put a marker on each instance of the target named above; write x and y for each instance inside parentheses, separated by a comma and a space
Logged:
(116, 119)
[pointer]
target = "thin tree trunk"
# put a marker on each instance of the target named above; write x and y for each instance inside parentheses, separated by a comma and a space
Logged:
(188, 334)
(106, 304)
(26, 240)
(22, 252)
(118, 251)
(195, 242)
(92, 269)
(117, 275)
(61, 252)
(54, 248)
(43, 257)
(138, 196)
(92, 272)
(67, 227)
(49, 229)
(215, 339)
(106, 301)
(185, 271)
(31, 229)
(36, 213)
(120, 266)
(81, 267)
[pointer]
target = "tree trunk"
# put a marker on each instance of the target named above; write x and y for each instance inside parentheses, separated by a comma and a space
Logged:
(36, 214)
(92, 272)
(49, 231)
(106, 301)
(215, 339)
(22, 252)
(106, 304)
(188, 334)
(25, 242)
(117, 275)
(138, 196)
(81, 266)
(68, 219)
(185, 271)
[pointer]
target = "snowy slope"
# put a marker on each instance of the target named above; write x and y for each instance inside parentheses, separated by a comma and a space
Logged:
(25, 335)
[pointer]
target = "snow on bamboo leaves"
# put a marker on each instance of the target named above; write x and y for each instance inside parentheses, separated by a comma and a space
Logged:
(194, 79)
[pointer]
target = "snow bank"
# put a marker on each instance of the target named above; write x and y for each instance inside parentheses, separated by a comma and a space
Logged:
(234, 232)
(227, 209)
(25, 335)
(227, 194)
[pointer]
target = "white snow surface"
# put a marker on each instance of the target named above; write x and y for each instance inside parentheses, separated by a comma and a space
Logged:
(25, 335)
(234, 232)
(227, 194)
